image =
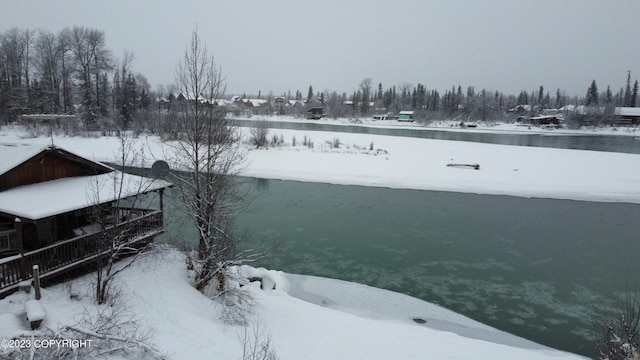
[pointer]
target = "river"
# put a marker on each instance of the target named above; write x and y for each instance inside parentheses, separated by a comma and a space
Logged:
(537, 268)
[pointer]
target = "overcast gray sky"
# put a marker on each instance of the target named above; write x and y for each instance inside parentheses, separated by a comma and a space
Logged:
(281, 45)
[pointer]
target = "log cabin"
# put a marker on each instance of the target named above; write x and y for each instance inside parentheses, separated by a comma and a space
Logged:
(60, 211)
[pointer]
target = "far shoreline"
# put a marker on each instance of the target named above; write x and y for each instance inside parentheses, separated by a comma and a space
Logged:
(489, 126)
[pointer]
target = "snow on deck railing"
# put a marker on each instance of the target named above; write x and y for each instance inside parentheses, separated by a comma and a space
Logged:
(72, 252)
(9, 259)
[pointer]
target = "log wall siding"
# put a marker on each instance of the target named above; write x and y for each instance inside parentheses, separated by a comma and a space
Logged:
(45, 166)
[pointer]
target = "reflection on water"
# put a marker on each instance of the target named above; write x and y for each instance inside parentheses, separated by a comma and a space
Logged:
(533, 267)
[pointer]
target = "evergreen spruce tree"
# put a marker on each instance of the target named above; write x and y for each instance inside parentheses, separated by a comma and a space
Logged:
(634, 95)
(541, 96)
(310, 93)
(592, 94)
(627, 91)
(523, 98)
(608, 97)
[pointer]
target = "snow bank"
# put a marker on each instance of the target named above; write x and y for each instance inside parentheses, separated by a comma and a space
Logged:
(421, 164)
(187, 324)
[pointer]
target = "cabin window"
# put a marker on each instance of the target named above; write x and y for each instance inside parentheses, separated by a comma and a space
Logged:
(8, 240)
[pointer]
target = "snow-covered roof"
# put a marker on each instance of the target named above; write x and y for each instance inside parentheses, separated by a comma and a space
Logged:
(406, 112)
(627, 111)
(15, 154)
(255, 102)
(221, 102)
(41, 200)
(44, 199)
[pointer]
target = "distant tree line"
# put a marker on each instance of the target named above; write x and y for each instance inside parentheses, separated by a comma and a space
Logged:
(626, 97)
(74, 72)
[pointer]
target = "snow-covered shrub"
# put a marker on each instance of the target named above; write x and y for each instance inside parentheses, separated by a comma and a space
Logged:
(619, 330)
(258, 134)
(256, 343)
(103, 331)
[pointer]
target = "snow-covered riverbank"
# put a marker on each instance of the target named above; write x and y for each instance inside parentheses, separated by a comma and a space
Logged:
(422, 164)
(307, 318)
(450, 125)
(412, 163)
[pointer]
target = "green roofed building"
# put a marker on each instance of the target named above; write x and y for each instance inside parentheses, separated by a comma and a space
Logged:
(405, 116)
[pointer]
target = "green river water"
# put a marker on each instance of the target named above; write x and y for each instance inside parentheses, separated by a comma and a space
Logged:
(538, 268)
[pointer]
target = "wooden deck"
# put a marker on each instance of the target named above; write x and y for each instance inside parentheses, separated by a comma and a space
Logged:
(65, 255)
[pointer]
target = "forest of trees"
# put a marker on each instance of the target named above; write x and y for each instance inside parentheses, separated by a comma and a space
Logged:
(74, 72)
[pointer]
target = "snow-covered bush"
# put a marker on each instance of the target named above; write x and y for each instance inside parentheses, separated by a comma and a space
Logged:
(258, 134)
(256, 343)
(619, 330)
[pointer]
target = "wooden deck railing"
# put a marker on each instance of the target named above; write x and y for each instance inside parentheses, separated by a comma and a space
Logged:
(65, 255)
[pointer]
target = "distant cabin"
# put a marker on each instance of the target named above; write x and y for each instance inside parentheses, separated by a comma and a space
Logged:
(314, 113)
(279, 102)
(57, 209)
(405, 116)
(545, 120)
(628, 116)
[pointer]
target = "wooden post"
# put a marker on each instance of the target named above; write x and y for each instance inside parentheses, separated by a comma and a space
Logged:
(161, 200)
(23, 265)
(36, 281)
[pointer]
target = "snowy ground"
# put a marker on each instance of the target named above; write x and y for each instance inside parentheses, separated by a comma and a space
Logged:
(414, 163)
(315, 318)
(307, 317)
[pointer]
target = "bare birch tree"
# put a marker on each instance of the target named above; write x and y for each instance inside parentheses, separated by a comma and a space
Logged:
(209, 150)
(118, 220)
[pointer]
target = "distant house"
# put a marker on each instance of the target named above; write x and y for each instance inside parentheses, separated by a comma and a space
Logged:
(567, 109)
(628, 115)
(57, 207)
(191, 98)
(314, 113)
(279, 102)
(405, 116)
(545, 120)
(254, 103)
(520, 109)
